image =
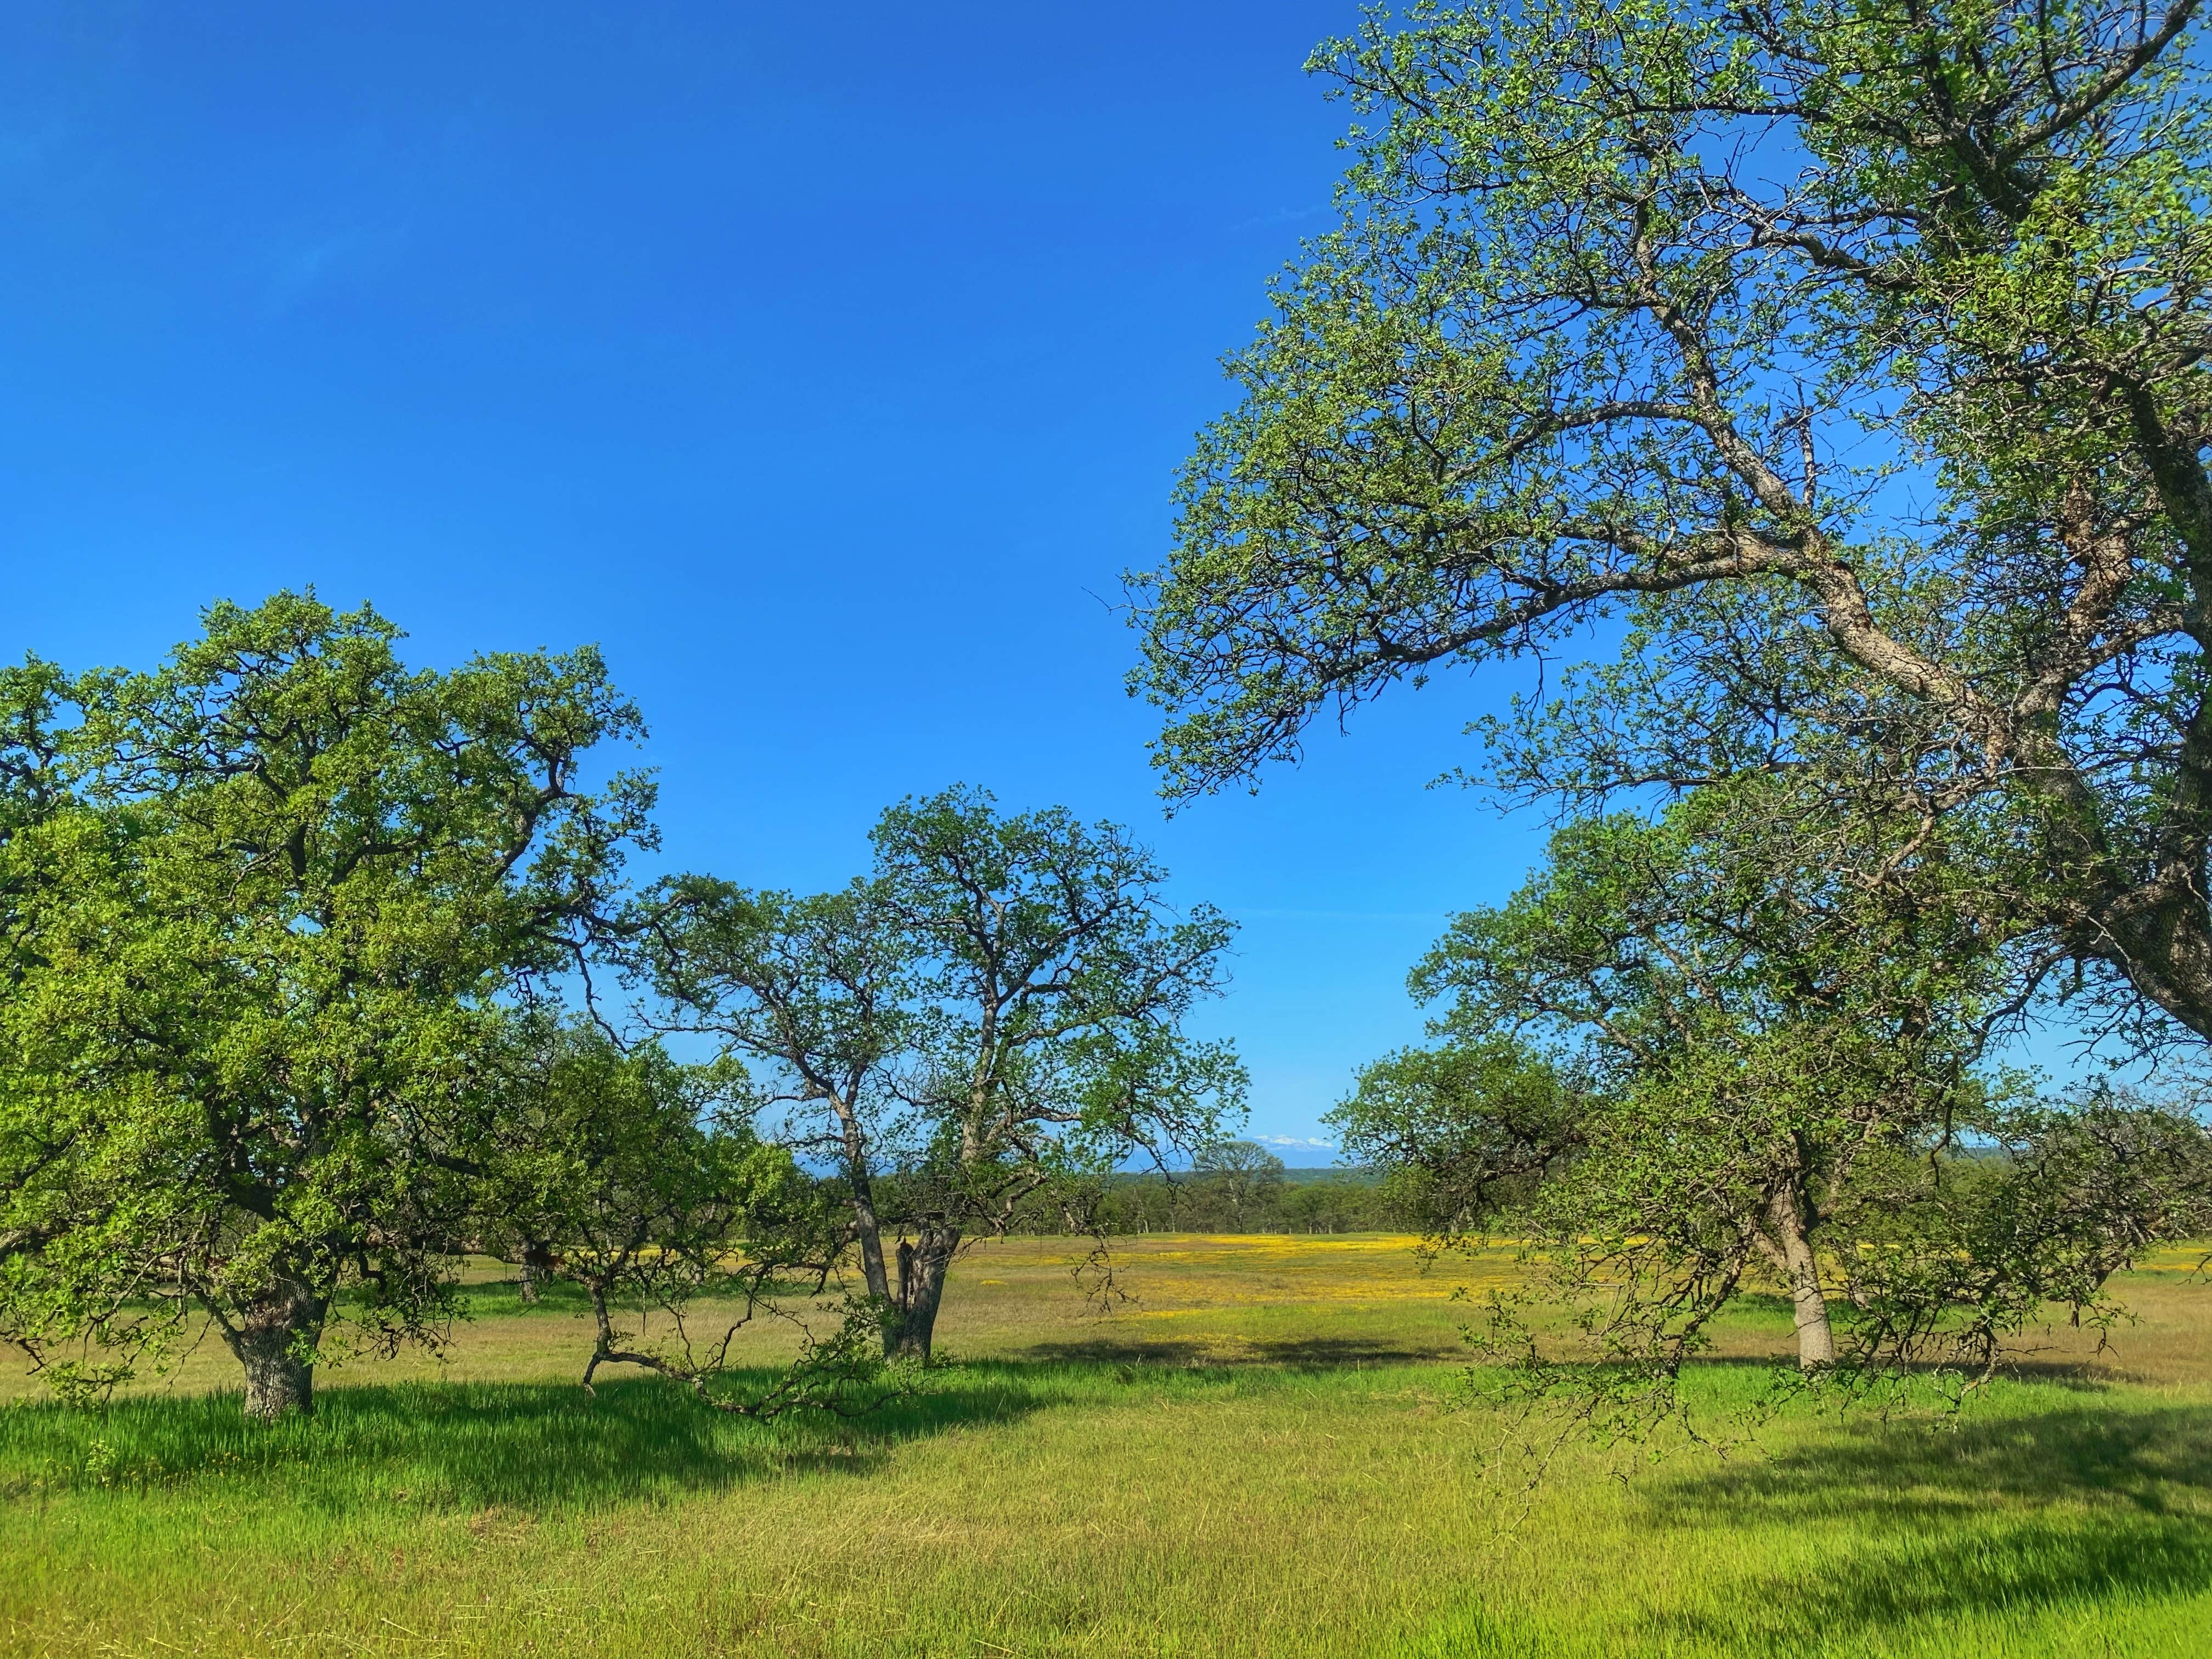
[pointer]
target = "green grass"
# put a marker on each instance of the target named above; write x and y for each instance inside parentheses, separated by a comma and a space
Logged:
(1190, 1483)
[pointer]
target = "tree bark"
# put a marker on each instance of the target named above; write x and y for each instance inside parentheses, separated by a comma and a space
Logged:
(871, 1233)
(537, 1263)
(1790, 1249)
(923, 1266)
(273, 1340)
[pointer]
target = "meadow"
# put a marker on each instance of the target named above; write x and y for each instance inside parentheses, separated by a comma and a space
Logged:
(1262, 1454)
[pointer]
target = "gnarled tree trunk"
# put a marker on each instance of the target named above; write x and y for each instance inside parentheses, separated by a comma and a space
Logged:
(922, 1266)
(274, 1339)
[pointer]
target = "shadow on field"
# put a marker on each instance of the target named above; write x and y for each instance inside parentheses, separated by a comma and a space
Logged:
(472, 1445)
(1317, 1352)
(2074, 1505)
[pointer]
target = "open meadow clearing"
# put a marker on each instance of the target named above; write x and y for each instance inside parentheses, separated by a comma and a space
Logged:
(999, 622)
(1258, 1455)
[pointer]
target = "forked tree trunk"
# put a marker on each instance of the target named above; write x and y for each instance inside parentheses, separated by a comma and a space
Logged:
(1791, 1250)
(922, 1266)
(273, 1340)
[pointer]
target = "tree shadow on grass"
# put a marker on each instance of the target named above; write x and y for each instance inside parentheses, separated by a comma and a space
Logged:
(471, 1445)
(1312, 1353)
(2075, 1503)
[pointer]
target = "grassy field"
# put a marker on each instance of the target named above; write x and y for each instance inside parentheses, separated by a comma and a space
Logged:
(1260, 1455)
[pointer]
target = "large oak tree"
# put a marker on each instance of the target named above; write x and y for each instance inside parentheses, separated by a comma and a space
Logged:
(1849, 354)
(262, 905)
(1690, 1064)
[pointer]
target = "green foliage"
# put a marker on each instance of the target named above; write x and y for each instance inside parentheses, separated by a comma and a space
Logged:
(993, 1014)
(1691, 1065)
(1052, 980)
(621, 1169)
(1852, 356)
(262, 902)
(644, 1182)
(1311, 1201)
(1245, 1177)
(1467, 1129)
(1851, 359)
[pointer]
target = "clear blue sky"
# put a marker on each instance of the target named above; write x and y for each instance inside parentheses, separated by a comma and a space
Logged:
(825, 365)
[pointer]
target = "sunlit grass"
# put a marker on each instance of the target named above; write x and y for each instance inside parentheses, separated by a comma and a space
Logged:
(1252, 1458)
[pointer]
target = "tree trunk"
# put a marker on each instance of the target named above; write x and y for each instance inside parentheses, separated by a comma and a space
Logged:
(537, 1261)
(274, 1342)
(870, 1231)
(922, 1268)
(1791, 1250)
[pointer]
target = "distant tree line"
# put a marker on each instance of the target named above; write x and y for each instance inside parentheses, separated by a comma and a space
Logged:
(1234, 1187)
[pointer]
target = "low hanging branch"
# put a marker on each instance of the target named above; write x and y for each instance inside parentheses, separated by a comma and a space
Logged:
(841, 1374)
(639, 1179)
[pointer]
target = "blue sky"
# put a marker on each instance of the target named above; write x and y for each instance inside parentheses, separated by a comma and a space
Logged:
(826, 365)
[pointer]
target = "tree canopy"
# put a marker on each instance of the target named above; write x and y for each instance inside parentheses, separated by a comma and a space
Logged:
(645, 1182)
(1848, 356)
(993, 1012)
(264, 902)
(1690, 1065)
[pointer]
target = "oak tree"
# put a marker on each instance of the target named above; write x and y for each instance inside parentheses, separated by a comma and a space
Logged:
(1694, 1067)
(1243, 1176)
(995, 1011)
(263, 904)
(643, 1183)
(1846, 359)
